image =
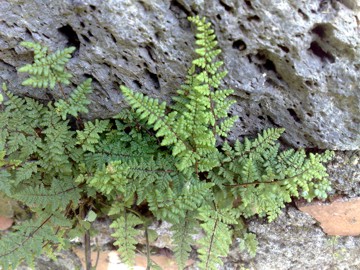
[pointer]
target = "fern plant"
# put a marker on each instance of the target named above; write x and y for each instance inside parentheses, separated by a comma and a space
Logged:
(155, 161)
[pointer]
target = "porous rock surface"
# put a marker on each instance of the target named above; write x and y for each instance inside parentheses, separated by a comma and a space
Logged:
(292, 63)
(294, 241)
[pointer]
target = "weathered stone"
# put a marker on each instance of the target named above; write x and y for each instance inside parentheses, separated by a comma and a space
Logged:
(292, 63)
(340, 217)
(344, 173)
(66, 260)
(294, 241)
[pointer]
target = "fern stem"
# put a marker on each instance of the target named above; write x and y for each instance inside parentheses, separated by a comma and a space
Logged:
(62, 91)
(97, 254)
(274, 181)
(211, 243)
(147, 249)
(87, 250)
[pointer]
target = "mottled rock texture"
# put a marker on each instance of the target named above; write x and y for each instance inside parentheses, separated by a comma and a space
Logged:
(65, 260)
(294, 241)
(344, 172)
(292, 63)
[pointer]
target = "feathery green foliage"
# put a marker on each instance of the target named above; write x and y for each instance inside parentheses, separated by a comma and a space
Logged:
(48, 68)
(152, 162)
(76, 103)
(219, 187)
(39, 161)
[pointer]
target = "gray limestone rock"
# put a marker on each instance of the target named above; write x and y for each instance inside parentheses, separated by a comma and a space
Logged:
(344, 172)
(295, 242)
(291, 63)
(65, 260)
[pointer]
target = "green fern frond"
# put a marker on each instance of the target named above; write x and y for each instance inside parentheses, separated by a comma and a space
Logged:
(26, 242)
(155, 113)
(126, 235)
(56, 198)
(167, 205)
(249, 243)
(171, 131)
(110, 179)
(47, 69)
(89, 137)
(183, 239)
(216, 242)
(77, 102)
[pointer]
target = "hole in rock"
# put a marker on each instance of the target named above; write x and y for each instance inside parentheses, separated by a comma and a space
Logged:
(308, 83)
(294, 115)
(269, 65)
(106, 64)
(87, 75)
(150, 52)
(253, 18)
(178, 8)
(272, 121)
(28, 32)
(113, 38)
(85, 38)
(137, 83)
(319, 30)
(239, 45)
(154, 79)
(248, 4)
(318, 51)
(284, 48)
(305, 17)
(71, 36)
(226, 6)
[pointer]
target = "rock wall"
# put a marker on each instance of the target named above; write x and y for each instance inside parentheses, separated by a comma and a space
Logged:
(291, 63)
(295, 242)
